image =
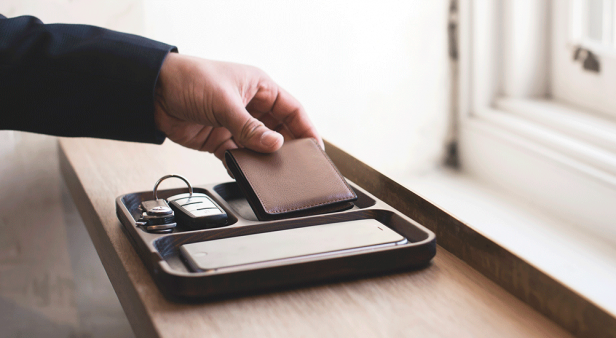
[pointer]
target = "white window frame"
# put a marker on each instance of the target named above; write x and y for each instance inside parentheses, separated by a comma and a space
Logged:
(514, 135)
(571, 83)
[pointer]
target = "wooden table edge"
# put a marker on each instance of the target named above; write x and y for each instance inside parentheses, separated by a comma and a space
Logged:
(135, 311)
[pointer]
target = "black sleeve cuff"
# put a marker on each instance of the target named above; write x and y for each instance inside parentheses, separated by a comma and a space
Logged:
(78, 80)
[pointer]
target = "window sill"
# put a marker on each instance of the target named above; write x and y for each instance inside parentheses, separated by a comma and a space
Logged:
(534, 149)
(592, 128)
(559, 248)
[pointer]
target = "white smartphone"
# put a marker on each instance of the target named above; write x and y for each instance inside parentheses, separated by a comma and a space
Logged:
(291, 244)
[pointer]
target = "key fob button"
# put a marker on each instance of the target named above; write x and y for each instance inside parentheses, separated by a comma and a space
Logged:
(201, 202)
(186, 200)
(178, 197)
(205, 212)
(197, 206)
(186, 196)
(198, 211)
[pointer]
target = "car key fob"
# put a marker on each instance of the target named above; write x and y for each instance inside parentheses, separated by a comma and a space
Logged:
(198, 211)
(157, 217)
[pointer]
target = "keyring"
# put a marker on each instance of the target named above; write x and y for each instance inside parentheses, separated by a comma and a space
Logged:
(190, 189)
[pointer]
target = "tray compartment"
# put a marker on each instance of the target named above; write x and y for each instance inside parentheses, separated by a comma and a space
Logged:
(160, 252)
(169, 246)
(132, 202)
(231, 193)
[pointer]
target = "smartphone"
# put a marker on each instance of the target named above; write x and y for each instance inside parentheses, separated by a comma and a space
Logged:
(288, 245)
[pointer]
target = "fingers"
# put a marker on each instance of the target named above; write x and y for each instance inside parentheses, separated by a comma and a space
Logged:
(275, 125)
(212, 94)
(292, 114)
(215, 138)
(286, 109)
(248, 131)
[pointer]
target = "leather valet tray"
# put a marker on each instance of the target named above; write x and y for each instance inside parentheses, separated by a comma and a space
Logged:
(161, 252)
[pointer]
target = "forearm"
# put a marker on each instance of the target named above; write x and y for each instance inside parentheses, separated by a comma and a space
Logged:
(77, 80)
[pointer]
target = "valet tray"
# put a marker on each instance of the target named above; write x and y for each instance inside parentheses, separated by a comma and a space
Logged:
(161, 252)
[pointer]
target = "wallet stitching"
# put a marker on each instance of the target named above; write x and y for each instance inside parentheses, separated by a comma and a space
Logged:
(308, 206)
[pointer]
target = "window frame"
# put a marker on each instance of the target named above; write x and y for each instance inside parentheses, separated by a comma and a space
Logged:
(571, 82)
(556, 167)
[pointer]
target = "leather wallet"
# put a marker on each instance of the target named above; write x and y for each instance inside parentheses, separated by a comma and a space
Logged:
(297, 180)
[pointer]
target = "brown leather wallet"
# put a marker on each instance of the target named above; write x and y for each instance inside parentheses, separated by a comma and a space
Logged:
(297, 180)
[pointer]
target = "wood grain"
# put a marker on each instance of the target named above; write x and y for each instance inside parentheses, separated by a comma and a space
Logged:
(559, 303)
(447, 299)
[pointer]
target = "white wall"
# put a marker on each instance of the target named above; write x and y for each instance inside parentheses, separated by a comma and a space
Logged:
(121, 15)
(372, 75)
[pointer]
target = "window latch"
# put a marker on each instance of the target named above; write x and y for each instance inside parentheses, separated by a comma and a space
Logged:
(589, 60)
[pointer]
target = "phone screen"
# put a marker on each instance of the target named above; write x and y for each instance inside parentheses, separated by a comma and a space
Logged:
(291, 244)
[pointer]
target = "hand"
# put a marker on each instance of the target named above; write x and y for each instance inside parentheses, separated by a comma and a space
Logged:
(214, 106)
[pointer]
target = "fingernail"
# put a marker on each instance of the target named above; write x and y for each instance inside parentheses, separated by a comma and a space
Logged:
(270, 138)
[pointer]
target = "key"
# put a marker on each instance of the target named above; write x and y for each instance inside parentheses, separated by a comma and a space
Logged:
(157, 217)
(198, 211)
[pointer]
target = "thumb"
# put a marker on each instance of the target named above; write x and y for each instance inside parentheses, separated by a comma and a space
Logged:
(250, 132)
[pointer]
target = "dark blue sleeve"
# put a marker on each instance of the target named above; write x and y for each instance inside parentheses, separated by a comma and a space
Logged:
(78, 80)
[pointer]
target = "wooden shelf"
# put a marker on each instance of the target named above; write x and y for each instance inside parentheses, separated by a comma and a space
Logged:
(449, 298)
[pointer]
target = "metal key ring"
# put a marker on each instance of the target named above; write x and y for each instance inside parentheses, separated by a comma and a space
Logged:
(155, 191)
